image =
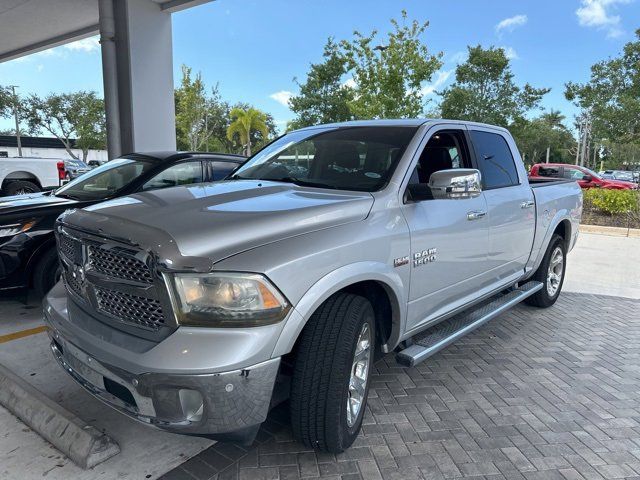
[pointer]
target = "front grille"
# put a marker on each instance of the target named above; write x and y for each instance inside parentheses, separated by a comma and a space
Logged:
(145, 312)
(118, 265)
(70, 248)
(95, 273)
(73, 283)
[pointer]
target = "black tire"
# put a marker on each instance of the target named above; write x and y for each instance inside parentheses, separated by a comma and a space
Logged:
(543, 298)
(322, 371)
(46, 272)
(20, 187)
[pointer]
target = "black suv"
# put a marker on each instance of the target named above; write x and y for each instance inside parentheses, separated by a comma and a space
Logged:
(27, 245)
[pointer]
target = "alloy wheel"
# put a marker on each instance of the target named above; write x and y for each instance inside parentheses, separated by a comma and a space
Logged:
(359, 375)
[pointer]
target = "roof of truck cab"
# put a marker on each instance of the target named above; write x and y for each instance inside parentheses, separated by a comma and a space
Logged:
(400, 122)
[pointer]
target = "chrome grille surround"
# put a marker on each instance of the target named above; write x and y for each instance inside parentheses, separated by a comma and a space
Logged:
(70, 248)
(118, 263)
(116, 283)
(142, 311)
(72, 282)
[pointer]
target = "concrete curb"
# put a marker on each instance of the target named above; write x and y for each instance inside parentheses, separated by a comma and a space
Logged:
(82, 443)
(614, 231)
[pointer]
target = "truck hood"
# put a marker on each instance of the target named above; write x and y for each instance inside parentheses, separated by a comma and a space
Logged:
(619, 183)
(192, 227)
(33, 201)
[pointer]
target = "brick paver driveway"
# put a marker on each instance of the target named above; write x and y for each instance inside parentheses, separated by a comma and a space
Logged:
(535, 394)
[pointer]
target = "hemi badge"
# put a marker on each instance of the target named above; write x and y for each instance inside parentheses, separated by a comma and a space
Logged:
(398, 262)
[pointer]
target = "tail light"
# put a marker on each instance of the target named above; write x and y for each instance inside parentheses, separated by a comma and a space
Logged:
(61, 171)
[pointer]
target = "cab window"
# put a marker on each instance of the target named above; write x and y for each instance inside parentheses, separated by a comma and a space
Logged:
(444, 150)
(181, 174)
(573, 173)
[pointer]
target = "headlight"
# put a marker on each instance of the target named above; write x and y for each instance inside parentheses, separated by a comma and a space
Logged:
(16, 228)
(227, 299)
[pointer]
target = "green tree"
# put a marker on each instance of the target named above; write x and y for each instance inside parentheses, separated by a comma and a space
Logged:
(533, 137)
(260, 137)
(6, 102)
(78, 115)
(323, 97)
(243, 125)
(485, 91)
(192, 109)
(617, 155)
(389, 76)
(612, 95)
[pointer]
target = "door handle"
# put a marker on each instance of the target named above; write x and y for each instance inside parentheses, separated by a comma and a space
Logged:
(527, 204)
(476, 214)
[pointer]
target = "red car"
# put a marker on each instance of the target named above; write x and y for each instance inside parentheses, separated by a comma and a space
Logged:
(586, 178)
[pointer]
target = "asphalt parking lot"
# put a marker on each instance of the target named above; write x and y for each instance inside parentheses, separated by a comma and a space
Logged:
(533, 394)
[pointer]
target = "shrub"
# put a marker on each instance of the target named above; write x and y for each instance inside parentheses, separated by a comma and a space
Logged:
(612, 202)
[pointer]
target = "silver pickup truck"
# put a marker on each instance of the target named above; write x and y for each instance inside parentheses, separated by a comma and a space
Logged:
(198, 308)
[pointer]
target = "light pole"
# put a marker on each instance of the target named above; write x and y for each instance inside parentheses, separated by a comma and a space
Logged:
(15, 115)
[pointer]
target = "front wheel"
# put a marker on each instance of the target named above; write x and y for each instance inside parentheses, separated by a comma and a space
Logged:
(47, 272)
(330, 383)
(20, 187)
(550, 273)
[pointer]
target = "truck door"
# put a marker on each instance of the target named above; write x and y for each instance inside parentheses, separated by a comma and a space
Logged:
(449, 237)
(510, 202)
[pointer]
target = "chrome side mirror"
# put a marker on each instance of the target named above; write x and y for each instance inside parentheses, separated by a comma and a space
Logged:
(456, 183)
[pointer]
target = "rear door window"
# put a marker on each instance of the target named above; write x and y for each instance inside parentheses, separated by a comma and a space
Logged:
(552, 172)
(222, 169)
(495, 160)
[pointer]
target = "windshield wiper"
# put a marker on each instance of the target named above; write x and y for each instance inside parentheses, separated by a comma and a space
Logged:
(66, 195)
(299, 182)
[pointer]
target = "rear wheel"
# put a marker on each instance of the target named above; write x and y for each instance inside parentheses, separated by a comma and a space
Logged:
(20, 187)
(47, 273)
(550, 273)
(331, 376)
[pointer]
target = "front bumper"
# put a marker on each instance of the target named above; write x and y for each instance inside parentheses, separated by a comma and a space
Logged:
(192, 403)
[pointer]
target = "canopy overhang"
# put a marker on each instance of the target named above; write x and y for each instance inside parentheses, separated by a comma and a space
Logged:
(29, 26)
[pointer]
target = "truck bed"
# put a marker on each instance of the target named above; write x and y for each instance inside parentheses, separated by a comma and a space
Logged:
(536, 182)
(560, 198)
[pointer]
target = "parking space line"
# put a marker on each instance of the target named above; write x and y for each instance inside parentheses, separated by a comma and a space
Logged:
(22, 334)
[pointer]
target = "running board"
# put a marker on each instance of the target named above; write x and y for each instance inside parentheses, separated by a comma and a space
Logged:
(448, 331)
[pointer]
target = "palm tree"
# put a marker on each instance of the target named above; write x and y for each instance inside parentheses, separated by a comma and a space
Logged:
(244, 123)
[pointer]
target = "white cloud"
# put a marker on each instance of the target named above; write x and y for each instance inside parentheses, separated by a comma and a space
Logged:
(350, 82)
(458, 57)
(511, 23)
(282, 97)
(510, 53)
(85, 45)
(441, 78)
(597, 13)
(40, 67)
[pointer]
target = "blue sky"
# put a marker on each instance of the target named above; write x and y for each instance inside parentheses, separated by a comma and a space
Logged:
(254, 49)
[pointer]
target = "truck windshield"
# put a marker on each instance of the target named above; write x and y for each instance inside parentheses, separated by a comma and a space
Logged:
(104, 181)
(346, 158)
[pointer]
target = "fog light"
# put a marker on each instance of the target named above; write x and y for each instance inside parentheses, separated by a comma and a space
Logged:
(192, 404)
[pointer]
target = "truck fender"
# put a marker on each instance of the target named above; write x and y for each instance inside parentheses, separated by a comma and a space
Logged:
(560, 216)
(332, 283)
(25, 173)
